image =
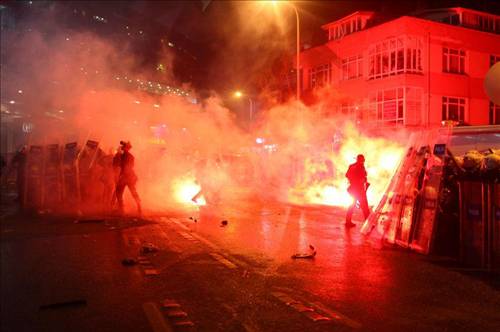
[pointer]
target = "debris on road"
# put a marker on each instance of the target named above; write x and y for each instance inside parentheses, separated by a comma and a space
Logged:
(151, 272)
(170, 304)
(59, 305)
(223, 223)
(129, 262)
(149, 248)
(311, 254)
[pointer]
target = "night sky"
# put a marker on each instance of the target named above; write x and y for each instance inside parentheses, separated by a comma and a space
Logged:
(219, 45)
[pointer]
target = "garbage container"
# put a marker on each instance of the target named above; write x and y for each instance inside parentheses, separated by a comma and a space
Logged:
(473, 224)
(494, 223)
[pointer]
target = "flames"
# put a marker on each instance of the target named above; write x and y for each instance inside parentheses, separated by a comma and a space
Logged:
(185, 188)
(323, 178)
(318, 177)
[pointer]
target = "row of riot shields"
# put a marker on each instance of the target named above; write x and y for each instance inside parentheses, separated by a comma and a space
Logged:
(57, 177)
(406, 214)
(433, 205)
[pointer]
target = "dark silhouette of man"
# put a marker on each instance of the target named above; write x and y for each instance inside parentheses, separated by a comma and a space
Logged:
(127, 177)
(356, 174)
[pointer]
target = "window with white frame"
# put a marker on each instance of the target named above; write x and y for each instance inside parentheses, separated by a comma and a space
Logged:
(494, 114)
(494, 59)
(389, 106)
(319, 76)
(395, 56)
(352, 67)
(453, 109)
(399, 106)
(453, 60)
(350, 109)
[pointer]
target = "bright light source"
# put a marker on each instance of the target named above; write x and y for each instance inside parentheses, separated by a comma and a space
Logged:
(259, 140)
(156, 105)
(19, 91)
(237, 94)
(12, 102)
(137, 102)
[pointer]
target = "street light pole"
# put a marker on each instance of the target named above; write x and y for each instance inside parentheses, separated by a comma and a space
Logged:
(298, 51)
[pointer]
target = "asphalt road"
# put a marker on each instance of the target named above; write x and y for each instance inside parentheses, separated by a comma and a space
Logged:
(62, 275)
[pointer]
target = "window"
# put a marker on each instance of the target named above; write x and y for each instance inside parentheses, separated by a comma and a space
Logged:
(399, 106)
(494, 114)
(480, 22)
(395, 56)
(494, 59)
(319, 76)
(352, 67)
(453, 109)
(349, 109)
(453, 61)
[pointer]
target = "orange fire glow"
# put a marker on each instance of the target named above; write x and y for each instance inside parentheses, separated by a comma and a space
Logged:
(185, 188)
(323, 178)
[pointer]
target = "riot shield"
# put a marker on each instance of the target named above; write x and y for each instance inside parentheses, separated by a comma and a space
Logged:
(412, 186)
(33, 194)
(88, 170)
(423, 229)
(70, 178)
(52, 177)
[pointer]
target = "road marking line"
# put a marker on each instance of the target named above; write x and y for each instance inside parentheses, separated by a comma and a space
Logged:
(207, 242)
(165, 236)
(180, 224)
(156, 318)
(187, 236)
(223, 260)
(338, 316)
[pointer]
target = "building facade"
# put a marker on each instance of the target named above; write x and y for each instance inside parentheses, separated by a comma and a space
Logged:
(412, 71)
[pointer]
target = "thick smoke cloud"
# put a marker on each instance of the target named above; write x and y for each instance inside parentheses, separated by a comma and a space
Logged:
(78, 86)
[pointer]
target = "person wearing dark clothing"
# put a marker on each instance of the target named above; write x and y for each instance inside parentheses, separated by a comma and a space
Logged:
(356, 174)
(127, 177)
(19, 163)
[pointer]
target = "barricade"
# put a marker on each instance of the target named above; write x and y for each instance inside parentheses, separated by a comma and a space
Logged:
(494, 225)
(473, 224)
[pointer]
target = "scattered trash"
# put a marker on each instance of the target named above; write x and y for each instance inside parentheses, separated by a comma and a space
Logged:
(311, 254)
(170, 304)
(177, 314)
(129, 261)
(223, 223)
(88, 221)
(59, 305)
(301, 307)
(316, 317)
(151, 272)
(149, 248)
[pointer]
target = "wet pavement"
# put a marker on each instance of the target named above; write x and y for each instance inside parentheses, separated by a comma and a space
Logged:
(58, 275)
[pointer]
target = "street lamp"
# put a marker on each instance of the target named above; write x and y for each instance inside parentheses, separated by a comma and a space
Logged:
(298, 43)
(238, 95)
